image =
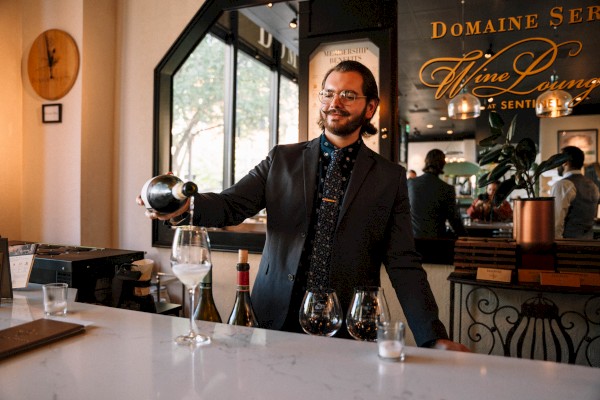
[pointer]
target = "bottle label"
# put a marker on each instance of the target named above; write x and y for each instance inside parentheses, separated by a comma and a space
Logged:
(243, 281)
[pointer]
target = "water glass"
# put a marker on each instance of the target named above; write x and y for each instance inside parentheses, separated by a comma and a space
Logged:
(55, 298)
(390, 340)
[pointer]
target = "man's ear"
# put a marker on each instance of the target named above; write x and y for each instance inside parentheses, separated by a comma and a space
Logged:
(371, 108)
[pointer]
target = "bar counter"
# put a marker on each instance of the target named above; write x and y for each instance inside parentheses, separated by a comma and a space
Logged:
(131, 355)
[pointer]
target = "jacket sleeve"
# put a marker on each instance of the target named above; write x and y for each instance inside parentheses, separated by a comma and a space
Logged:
(408, 277)
(240, 201)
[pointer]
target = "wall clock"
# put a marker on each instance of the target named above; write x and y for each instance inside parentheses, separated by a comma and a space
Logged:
(53, 64)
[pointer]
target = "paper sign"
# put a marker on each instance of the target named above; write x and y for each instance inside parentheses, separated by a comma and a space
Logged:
(494, 274)
(20, 269)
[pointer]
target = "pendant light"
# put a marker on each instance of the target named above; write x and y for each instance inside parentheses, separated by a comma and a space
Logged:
(553, 103)
(464, 105)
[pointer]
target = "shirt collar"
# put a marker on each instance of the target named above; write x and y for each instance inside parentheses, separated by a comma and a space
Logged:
(327, 147)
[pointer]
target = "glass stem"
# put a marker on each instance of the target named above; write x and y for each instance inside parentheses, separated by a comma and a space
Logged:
(192, 291)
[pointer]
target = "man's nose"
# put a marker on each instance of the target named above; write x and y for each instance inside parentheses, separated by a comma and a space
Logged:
(336, 102)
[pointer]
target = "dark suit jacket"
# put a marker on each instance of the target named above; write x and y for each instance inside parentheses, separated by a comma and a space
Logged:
(373, 228)
(432, 202)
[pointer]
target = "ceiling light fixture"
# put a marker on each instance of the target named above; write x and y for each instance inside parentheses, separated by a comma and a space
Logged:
(464, 105)
(294, 23)
(553, 103)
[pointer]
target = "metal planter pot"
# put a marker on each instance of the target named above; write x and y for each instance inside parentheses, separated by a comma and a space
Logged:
(533, 224)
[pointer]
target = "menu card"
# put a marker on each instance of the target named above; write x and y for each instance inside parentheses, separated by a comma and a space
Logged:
(33, 334)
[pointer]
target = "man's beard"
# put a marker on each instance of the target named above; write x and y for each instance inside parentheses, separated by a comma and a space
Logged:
(346, 129)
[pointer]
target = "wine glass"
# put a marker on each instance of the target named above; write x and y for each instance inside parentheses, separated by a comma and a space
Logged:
(320, 312)
(190, 262)
(367, 308)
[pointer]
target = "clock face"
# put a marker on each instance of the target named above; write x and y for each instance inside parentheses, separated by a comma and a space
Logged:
(53, 64)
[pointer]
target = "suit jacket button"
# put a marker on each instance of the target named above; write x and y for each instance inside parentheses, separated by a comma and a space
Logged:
(303, 234)
(290, 277)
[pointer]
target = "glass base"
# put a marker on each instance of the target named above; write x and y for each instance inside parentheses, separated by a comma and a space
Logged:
(192, 339)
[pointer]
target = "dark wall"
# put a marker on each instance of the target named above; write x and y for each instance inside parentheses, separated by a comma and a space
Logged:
(341, 20)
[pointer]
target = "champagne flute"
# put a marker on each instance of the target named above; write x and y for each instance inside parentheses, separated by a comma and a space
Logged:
(320, 312)
(190, 262)
(367, 308)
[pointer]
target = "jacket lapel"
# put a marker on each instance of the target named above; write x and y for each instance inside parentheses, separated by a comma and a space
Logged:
(364, 162)
(310, 160)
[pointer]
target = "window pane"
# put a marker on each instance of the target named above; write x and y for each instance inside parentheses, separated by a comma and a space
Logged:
(198, 116)
(288, 111)
(252, 114)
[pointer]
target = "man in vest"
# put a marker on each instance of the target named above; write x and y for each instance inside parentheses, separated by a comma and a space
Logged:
(575, 199)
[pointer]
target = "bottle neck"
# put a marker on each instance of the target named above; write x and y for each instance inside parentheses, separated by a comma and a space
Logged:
(207, 281)
(243, 277)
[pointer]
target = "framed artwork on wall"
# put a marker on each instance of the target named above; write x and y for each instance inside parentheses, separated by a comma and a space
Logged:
(585, 139)
(51, 113)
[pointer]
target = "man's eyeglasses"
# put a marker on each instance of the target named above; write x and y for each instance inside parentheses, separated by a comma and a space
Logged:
(346, 96)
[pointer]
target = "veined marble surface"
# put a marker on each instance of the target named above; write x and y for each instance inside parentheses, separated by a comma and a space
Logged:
(131, 355)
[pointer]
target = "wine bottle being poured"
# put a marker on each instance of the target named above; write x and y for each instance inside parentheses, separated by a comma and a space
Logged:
(166, 193)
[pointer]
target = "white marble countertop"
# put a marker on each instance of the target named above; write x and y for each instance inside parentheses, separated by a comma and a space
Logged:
(131, 355)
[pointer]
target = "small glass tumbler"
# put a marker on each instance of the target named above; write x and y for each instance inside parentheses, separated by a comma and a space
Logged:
(55, 298)
(390, 340)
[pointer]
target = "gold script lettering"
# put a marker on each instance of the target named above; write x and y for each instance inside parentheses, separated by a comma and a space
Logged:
(450, 74)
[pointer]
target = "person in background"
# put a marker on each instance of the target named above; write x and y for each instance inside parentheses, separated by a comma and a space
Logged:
(433, 201)
(372, 226)
(482, 208)
(411, 174)
(575, 199)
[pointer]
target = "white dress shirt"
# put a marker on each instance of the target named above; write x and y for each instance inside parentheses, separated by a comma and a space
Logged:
(564, 193)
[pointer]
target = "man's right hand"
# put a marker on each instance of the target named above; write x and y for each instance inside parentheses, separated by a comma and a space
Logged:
(163, 217)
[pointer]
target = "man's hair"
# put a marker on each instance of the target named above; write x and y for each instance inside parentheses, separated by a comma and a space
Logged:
(369, 88)
(435, 161)
(576, 156)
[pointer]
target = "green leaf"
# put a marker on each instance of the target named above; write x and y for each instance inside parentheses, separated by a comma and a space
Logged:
(555, 161)
(483, 180)
(490, 140)
(504, 189)
(525, 153)
(500, 170)
(496, 121)
(491, 156)
(512, 129)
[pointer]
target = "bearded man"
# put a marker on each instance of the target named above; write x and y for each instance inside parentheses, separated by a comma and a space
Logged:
(336, 211)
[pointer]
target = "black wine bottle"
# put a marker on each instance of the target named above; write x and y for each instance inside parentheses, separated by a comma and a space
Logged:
(166, 193)
(207, 309)
(242, 312)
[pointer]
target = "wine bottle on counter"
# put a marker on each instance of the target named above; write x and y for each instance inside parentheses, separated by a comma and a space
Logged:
(167, 193)
(207, 310)
(242, 312)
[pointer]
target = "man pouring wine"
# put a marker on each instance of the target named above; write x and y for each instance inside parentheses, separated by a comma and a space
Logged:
(336, 212)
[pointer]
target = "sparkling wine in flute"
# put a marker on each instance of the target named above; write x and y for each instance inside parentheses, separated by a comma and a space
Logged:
(191, 274)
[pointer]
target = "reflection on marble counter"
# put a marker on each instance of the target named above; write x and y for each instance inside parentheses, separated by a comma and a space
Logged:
(131, 355)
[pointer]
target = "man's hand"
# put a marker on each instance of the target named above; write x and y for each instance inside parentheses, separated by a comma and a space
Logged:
(445, 344)
(163, 217)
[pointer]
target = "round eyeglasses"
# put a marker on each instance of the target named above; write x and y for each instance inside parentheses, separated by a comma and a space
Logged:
(346, 96)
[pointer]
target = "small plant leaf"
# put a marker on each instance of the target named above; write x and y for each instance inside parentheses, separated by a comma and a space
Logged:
(496, 121)
(483, 180)
(490, 140)
(525, 153)
(499, 171)
(504, 189)
(512, 129)
(555, 161)
(491, 156)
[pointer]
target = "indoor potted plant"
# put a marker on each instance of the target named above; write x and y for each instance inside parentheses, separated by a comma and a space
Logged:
(533, 219)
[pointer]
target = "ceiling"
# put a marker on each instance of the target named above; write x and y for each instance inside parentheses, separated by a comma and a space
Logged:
(417, 102)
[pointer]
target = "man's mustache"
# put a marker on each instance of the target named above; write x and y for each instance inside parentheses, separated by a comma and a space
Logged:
(335, 111)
